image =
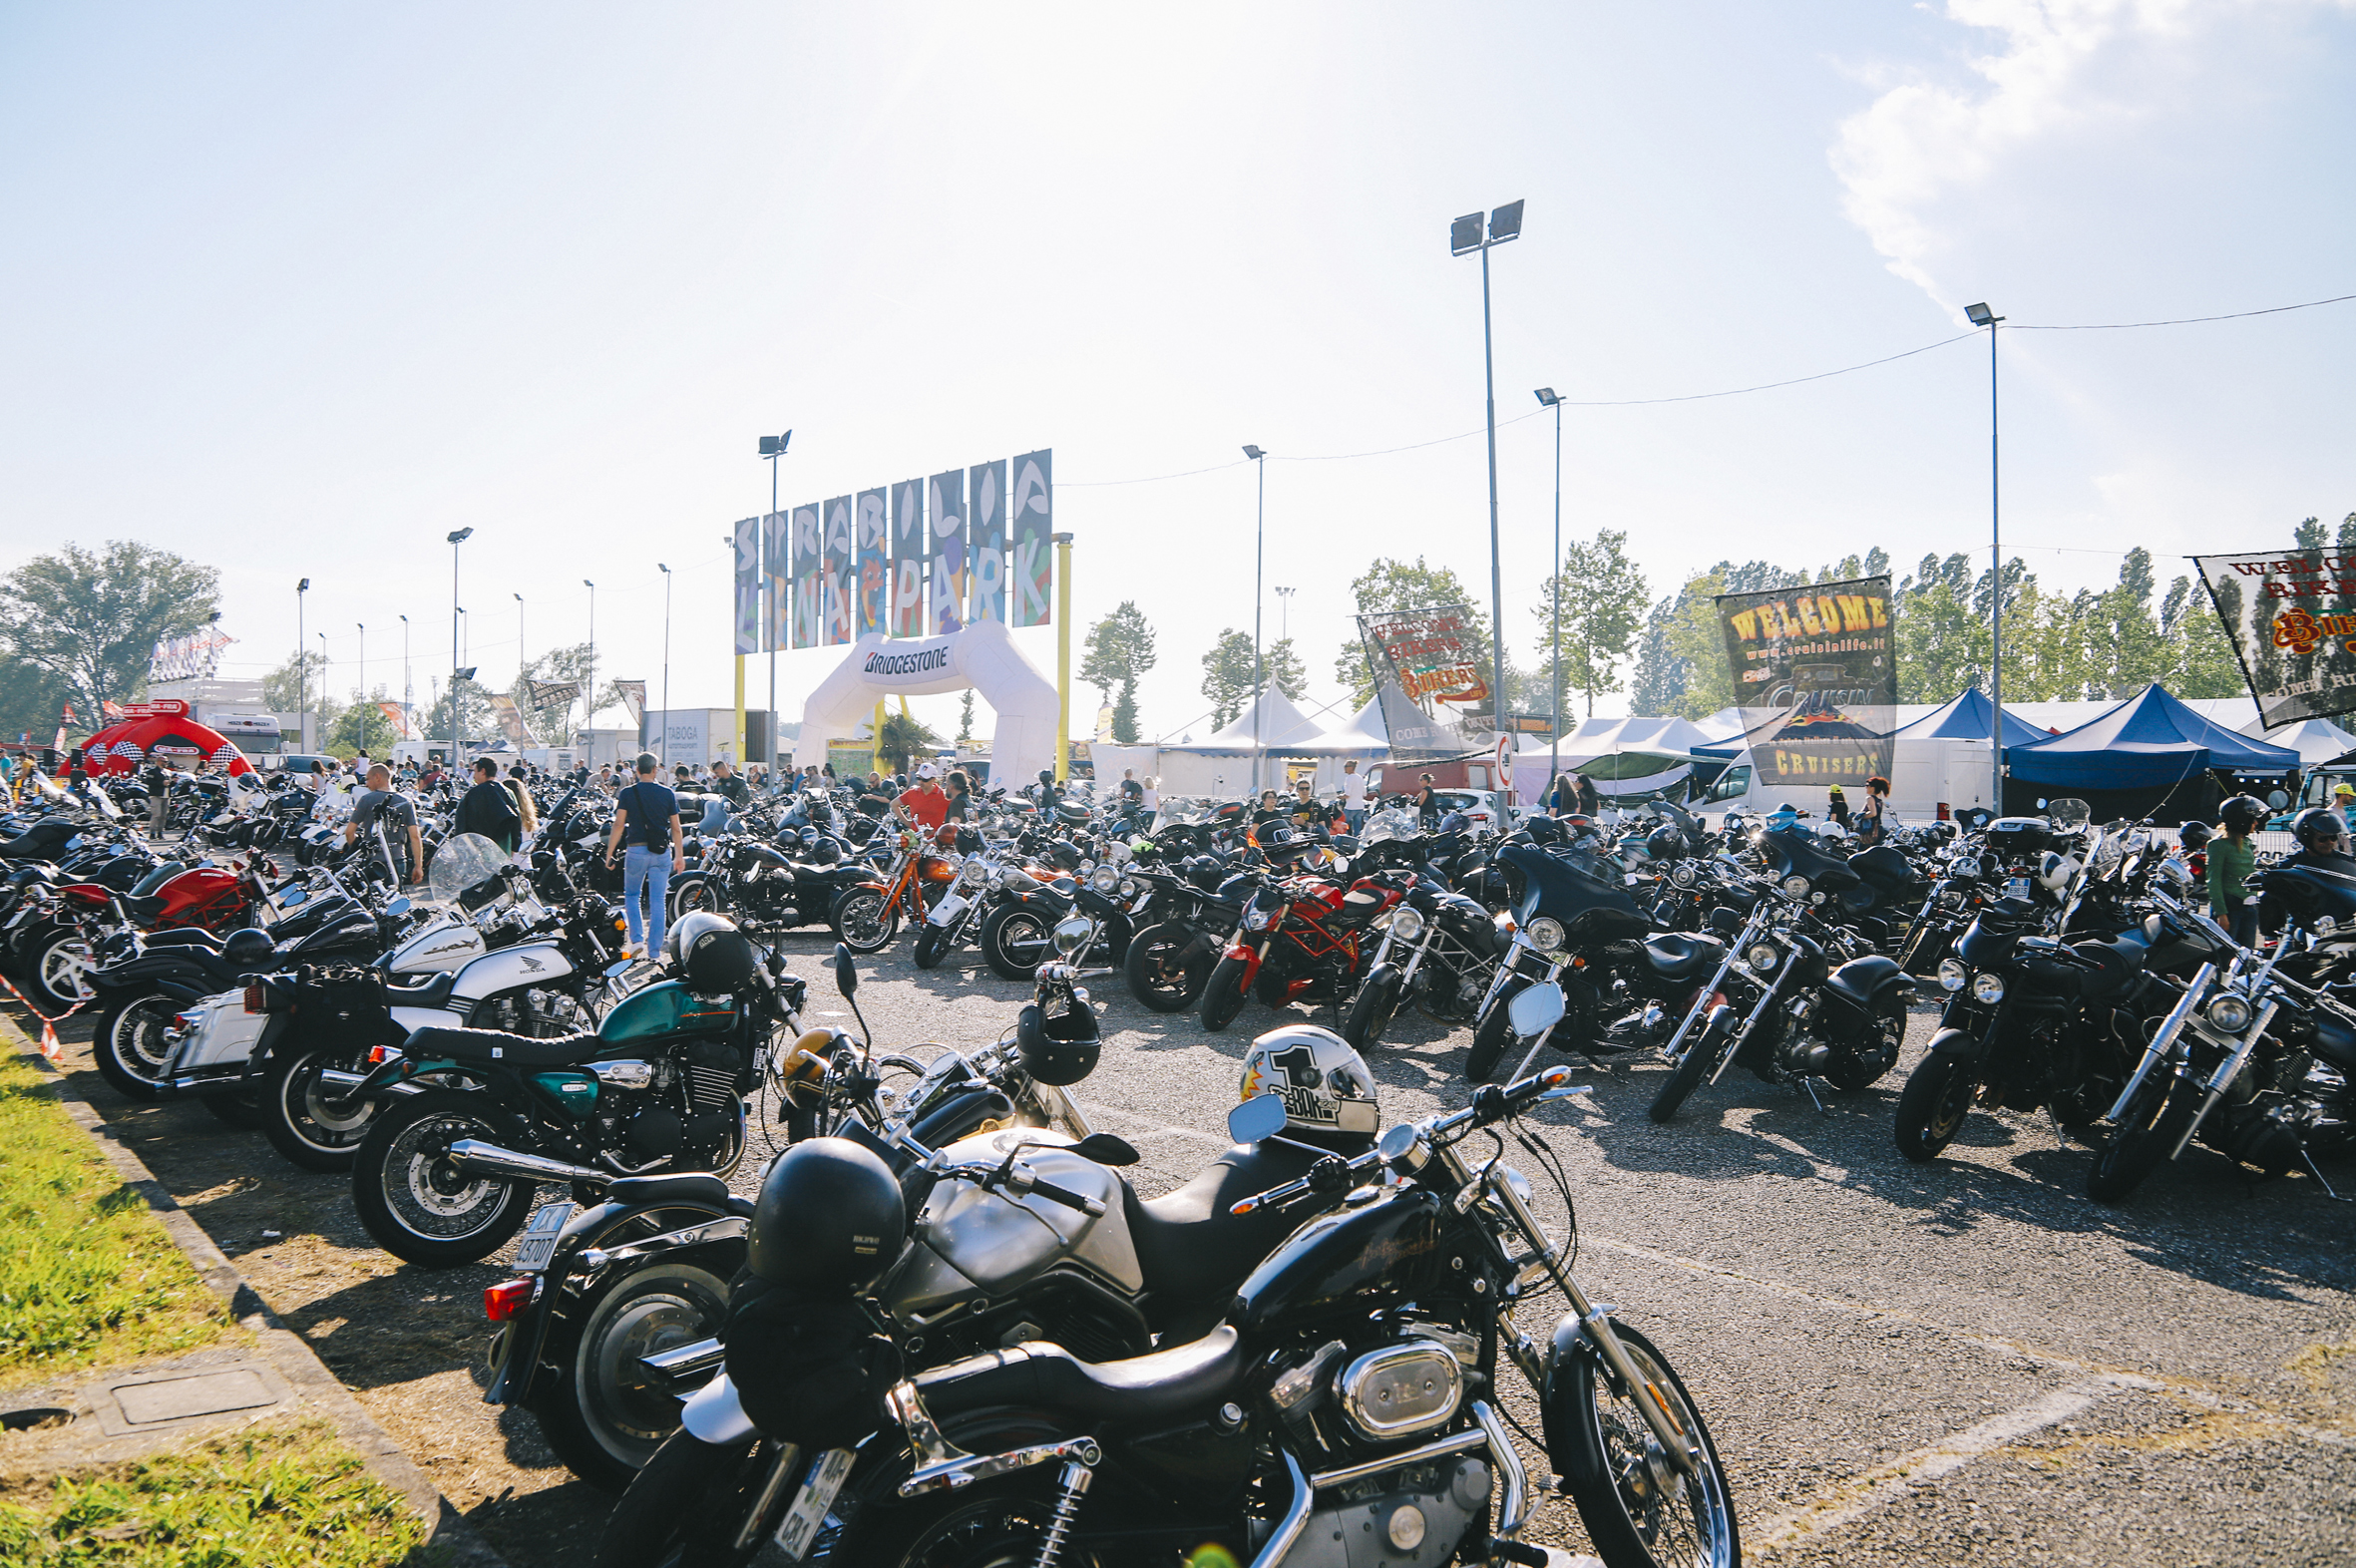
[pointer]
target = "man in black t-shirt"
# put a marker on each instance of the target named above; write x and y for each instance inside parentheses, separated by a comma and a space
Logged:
(488, 809)
(378, 804)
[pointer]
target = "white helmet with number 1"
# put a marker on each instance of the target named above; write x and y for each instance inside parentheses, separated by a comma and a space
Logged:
(1328, 1095)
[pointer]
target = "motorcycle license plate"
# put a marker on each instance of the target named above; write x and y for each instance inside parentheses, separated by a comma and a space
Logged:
(949, 909)
(809, 1510)
(2017, 888)
(540, 1237)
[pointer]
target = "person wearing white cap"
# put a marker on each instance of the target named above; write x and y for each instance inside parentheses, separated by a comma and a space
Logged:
(923, 805)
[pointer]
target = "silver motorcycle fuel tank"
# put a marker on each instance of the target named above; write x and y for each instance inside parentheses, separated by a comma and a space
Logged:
(970, 1243)
(507, 968)
(451, 946)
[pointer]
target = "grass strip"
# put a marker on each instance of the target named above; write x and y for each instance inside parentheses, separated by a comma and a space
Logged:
(88, 1275)
(269, 1496)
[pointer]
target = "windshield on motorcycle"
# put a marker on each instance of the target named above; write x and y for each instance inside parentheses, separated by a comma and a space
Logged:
(1584, 895)
(1392, 822)
(463, 860)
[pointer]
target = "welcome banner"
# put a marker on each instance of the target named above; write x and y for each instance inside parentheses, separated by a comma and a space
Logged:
(1815, 677)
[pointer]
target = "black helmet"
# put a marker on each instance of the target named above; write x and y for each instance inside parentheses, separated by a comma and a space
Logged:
(709, 953)
(826, 851)
(1061, 1049)
(2193, 835)
(1205, 872)
(1047, 775)
(1544, 830)
(2242, 812)
(248, 949)
(2319, 827)
(829, 1217)
(1666, 842)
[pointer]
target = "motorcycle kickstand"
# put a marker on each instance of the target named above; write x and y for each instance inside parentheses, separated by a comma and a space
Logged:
(1810, 1084)
(2308, 1159)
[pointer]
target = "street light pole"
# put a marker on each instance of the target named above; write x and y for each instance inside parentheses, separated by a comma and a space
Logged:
(1284, 615)
(363, 626)
(772, 448)
(302, 672)
(1465, 233)
(1547, 399)
(523, 665)
(458, 536)
(408, 696)
(664, 744)
(1259, 560)
(588, 695)
(1981, 315)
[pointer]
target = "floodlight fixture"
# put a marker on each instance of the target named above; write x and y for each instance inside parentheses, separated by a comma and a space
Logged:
(462, 536)
(774, 446)
(1547, 399)
(1254, 453)
(1505, 224)
(1464, 235)
(1981, 315)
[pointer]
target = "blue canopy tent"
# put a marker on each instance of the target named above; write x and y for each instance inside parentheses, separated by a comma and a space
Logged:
(2150, 752)
(1966, 718)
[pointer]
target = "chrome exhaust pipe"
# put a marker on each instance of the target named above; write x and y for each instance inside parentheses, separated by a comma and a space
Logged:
(489, 1159)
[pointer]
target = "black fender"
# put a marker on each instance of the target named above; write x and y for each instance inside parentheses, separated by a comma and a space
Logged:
(1868, 982)
(1956, 1044)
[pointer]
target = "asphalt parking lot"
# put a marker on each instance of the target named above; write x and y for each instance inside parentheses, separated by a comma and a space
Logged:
(1964, 1362)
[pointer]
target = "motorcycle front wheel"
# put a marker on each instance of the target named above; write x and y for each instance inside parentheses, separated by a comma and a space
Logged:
(303, 1125)
(689, 1505)
(1639, 1510)
(1932, 1106)
(933, 945)
(416, 1202)
(2154, 1119)
(862, 921)
(1223, 995)
(60, 971)
(1015, 941)
(130, 1048)
(1494, 1036)
(1155, 976)
(1372, 1010)
(1694, 1065)
(692, 894)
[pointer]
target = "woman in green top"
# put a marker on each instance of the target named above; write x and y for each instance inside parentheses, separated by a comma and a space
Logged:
(2231, 858)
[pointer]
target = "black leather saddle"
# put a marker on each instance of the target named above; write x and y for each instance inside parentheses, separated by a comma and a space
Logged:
(565, 1051)
(1678, 956)
(1144, 1391)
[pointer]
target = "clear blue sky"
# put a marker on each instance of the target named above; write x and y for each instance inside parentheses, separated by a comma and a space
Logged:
(296, 290)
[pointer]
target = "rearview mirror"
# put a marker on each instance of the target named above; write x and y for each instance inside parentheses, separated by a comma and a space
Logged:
(1261, 1116)
(1535, 1009)
(1106, 1149)
(846, 972)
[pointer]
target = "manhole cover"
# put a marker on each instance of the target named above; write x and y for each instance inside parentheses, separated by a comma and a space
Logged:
(202, 1393)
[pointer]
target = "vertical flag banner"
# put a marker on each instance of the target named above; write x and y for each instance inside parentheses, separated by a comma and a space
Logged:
(2291, 617)
(1816, 678)
(809, 578)
(985, 538)
(1425, 661)
(946, 504)
(748, 586)
(834, 554)
(776, 583)
(1030, 520)
(907, 559)
(874, 532)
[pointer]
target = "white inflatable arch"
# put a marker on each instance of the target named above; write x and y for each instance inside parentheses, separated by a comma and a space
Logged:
(983, 656)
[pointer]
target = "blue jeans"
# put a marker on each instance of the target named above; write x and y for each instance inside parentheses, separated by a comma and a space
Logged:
(651, 868)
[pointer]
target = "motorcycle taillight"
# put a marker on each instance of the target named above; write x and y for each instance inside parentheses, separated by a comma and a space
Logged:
(253, 1002)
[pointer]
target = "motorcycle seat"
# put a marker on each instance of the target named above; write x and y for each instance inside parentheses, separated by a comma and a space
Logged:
(682, 1187)
(2121, 959)
(1190, 1249)
(565, 1051)
(1143, 1390)
(1677, 957)
(143, 910)
(183, 937)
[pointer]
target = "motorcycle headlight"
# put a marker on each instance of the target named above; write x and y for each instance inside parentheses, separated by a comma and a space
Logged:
(1104, 878)
(1798, 887)
(1968, 867)
(1988, 987)
(1684, 875)
(2230, 1012)
(1764, 956)
(1256, 918)
(1406, 923)
(1547, 936)
(1953, 975)
(1128, 888)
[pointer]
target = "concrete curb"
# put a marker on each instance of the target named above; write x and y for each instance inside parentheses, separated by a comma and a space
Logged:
(280, 1346)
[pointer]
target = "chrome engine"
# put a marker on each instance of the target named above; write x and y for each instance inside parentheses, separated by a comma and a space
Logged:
(1409, 1518)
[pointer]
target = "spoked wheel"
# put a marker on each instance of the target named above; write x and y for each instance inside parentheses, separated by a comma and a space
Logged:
(130, 1046)
(1015, 941)
(1157, 978)
(2154, 1119)
(609, 1415)
(864, 922)
(995, 1524)
(692, 896)
(305, 1123)
(416, 1202)
(1932, 1106)
(1639, 1508)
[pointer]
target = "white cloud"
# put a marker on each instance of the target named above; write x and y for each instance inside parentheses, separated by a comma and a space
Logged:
(1926, 139)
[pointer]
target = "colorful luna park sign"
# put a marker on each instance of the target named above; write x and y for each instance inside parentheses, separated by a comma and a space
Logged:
(2291, 617)
(921, 557)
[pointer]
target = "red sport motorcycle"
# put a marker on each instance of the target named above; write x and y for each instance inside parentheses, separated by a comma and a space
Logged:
(1303, 939)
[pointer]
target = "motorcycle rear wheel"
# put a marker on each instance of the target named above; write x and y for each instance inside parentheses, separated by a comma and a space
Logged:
(1223, 995)
(995, 1523)
(1155, 979)
(1932, 1106)
(1855, 1067)
(685, 1507)
(1015, 941)
(862, 921)
(606, 1417)
(239, 1107)
(2153, 1121)
(301, 1125)
(414, 1204)
(129, 1045)
(1627, 1495)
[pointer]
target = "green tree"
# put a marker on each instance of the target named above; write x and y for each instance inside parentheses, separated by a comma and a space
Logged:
(1119, 651)
(1226, 674)
(553, 723)
(1603, 605)
(474, 714)
(903, 739)
(300, 684)
(363, 728)
(92, 620)
(1390, 583)
(966, 717)
(32, 701)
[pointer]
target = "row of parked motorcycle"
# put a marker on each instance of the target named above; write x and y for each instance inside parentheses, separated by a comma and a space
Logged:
(947, 1328)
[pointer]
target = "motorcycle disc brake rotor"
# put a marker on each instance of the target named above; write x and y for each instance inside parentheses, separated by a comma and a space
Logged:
(436, 1197)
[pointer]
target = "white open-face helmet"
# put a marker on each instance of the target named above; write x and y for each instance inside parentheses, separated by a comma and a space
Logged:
(1328, 1092)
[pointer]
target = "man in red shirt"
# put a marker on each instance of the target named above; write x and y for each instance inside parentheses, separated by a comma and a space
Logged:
(923, 805)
